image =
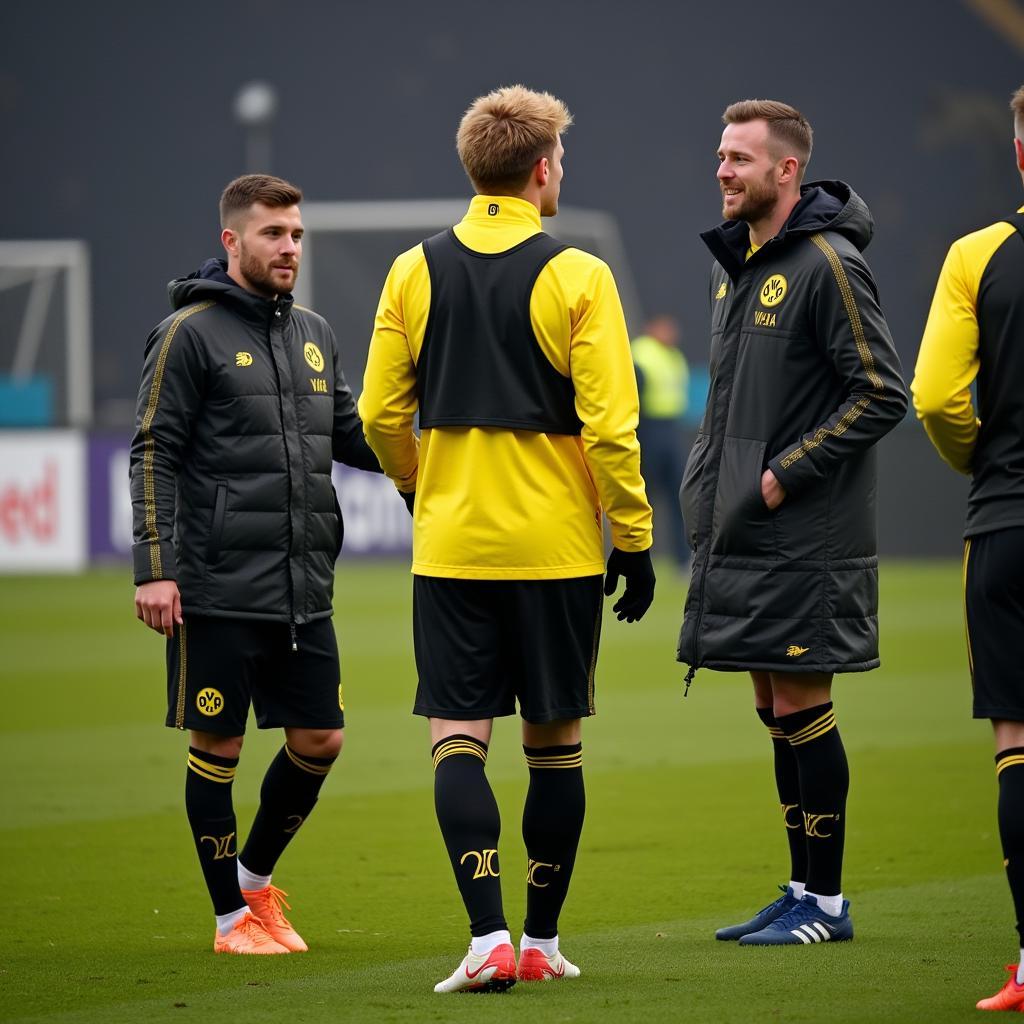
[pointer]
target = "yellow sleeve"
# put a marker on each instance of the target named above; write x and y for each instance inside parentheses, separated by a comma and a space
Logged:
(388, 402)
(948, 362)
(601, 367)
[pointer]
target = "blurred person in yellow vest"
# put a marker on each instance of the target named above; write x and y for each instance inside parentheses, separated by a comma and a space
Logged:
(663, 379)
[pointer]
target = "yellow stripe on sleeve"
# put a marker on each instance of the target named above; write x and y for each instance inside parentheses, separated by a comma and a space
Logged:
(148, 481)
(863, 349)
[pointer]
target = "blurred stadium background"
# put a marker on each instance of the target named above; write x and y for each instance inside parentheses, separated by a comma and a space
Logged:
(121, 124)
(122, 127)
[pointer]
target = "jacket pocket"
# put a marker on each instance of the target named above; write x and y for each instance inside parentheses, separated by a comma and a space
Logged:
(689, 489)
(742, 523)
(220, 504)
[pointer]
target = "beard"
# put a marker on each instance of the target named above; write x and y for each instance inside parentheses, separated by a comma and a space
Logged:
(758, 202)
(261, 276)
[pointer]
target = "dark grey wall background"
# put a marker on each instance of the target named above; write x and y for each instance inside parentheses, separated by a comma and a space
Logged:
(117, 126)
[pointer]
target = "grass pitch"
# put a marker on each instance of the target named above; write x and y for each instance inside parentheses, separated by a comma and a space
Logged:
(106, 918)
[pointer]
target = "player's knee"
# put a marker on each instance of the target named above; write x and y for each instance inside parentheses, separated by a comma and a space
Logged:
(317, 742)
(564, 732)
(211, 743)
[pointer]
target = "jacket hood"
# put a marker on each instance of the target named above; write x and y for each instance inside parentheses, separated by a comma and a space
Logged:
(823, 206)
(211, 281)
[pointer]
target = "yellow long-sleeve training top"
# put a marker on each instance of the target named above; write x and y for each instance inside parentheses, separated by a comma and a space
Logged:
(948, 360)
(974, 331)
(493, 503)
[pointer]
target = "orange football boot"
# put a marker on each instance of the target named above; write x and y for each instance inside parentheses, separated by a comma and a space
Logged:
(248, 936)
(1009, 997)
(266, 905)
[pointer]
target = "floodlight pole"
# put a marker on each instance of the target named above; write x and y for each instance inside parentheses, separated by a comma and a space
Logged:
(255, 107)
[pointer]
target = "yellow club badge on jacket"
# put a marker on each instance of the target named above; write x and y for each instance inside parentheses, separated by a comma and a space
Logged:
(773, 291)
(313, 356)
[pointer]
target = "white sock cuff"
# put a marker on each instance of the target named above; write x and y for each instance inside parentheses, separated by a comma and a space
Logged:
(225, 922)
(798, 889)
(483, 944)
(832, 905)
(549, 947)
(250, 881)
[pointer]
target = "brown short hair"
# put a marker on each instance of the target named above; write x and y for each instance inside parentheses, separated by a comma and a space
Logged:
(1017, 106)
(243, 192)
(503, 134)
(788, 129)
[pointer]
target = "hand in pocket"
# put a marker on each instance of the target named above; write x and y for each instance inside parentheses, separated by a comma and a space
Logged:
(771, 490)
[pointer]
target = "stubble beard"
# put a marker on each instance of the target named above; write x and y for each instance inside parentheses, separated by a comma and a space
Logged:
(260, 276)
(759, 201)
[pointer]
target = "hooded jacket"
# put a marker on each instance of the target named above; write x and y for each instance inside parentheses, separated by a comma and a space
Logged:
(804, 381)
(241, 409)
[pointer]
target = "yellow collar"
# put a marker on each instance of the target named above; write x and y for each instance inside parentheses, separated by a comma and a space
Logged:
(502, 210)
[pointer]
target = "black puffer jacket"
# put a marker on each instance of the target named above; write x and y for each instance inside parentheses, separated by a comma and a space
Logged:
(241, 408)
(804, 381)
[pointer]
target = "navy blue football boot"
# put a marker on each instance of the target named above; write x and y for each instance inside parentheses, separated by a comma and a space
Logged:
(804, 925)
(785, 903)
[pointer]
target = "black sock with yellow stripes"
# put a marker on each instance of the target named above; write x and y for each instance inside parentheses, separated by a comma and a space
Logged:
(824, 783)
(287, 797)
(552, 824)
(212, 817)
(787, 782)
(470, 825)
(1010, 772)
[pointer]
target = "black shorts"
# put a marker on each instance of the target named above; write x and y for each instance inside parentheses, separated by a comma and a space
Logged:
(216, 667)
(994, 600)
(483, 644)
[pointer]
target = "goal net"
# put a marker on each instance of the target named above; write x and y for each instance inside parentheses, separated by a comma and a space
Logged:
(46, 342)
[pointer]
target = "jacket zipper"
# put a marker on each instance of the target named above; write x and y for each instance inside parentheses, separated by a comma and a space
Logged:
(292, 635)
(704, 574)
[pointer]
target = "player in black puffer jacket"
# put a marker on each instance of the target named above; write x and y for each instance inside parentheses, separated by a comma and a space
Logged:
(779, 490)
(241, 410)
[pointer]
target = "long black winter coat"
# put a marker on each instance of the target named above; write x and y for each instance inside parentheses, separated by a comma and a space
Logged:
(804, 381)
(241, 409)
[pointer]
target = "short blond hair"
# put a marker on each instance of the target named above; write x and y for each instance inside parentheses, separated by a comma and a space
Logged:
(503, 134)
(789, 132)
(1017, 106)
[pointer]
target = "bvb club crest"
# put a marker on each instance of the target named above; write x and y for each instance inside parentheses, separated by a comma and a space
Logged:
(313, 356)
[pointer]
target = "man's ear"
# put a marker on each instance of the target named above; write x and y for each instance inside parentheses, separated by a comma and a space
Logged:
(1019, 149)
(789, 171)
(542, 171)
(229, 239)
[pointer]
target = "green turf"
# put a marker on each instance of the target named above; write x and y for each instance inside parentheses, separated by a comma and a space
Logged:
(106, 919)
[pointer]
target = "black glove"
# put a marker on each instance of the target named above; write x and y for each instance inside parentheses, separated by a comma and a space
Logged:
(638, 571)
(409, 497)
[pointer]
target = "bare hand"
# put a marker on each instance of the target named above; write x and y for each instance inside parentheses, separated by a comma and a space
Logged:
(158, 604)
(771, 490)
